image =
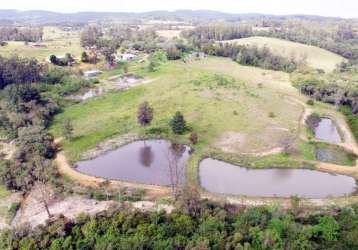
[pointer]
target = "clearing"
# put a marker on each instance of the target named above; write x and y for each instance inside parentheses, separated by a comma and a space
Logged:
(316, 57)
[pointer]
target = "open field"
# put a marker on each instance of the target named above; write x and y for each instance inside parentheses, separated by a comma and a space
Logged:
(57, 42)
(207, 92)
(316, 57)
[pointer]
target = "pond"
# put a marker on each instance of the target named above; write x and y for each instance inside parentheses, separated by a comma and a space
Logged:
(327, 131)
(144, 162)
(90, 93)
(127, 82)
(334, 155)
(220, 177)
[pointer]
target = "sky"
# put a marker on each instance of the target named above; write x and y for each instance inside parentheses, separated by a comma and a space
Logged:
(337, 8)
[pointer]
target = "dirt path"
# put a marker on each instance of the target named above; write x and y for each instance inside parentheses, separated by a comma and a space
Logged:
(33, 212)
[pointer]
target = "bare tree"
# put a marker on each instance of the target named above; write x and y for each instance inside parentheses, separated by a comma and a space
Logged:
(41, 185)
(175, 170)
(105, 185)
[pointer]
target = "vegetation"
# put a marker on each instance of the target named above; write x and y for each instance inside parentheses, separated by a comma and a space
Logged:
(145, 114)
(178, 124)
(26, 34)
(19, 70)
(202, 226)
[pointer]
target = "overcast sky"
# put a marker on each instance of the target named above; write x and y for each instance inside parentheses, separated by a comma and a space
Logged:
(341, 8)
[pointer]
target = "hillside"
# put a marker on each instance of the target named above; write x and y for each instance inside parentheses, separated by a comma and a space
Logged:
(316, 57)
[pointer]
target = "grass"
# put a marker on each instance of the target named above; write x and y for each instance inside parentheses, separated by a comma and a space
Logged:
(58, 42)
(207, 93)
(316, 57)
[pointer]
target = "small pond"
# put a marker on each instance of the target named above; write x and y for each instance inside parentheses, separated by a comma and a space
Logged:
(142, 161)
(220, 177)
(126, 82)
(327, 131)
(90, 93)
(334, 155)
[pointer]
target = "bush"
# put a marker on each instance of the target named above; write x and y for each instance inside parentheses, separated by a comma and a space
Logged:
(310, 102)
(178, 124)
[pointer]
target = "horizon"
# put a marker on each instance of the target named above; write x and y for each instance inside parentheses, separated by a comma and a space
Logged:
(342, 9)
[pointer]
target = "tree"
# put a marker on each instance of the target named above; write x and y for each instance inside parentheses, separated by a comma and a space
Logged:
(67, 129)
(84, 57)
(178, 123)
(53, 59)
(145, 114)
(175, 169)
(90, 35)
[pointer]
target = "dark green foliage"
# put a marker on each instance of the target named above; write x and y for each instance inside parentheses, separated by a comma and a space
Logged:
(19, 70)
(209, 227)
(253, 56)
(84, 57)
(178, 124)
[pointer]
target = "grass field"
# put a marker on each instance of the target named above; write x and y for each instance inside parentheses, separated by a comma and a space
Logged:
(316, 57)
(57, 42)
(232, 108)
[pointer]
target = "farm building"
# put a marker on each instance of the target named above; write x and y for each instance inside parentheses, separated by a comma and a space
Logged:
(92, 73)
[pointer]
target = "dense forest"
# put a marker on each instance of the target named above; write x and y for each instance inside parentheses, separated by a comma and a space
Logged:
(195, 225)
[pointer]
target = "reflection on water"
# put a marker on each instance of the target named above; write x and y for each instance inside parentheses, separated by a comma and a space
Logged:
(146, 156)
(327, 131)
(220, 177)
(142, 161)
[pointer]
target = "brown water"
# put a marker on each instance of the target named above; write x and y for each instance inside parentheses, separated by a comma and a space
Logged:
(220, 177)
(88, 94)
(327, 131)
(142, 161)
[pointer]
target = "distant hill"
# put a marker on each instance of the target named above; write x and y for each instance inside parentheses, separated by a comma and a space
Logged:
(41, 17)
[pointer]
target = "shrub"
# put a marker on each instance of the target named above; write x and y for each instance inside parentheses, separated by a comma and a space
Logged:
(178, 123)
(193, 138)
(310, 102)
(145, 114)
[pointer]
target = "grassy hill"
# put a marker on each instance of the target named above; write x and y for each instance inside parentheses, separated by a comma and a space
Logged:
(316, 57)
(232, 108)
(57, 42)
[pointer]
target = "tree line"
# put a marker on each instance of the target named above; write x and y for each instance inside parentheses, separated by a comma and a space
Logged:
(194, 225)
(26, 34)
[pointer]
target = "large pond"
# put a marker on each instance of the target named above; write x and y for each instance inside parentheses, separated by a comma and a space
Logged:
(157, 162)
(327, 131)
(220, 177)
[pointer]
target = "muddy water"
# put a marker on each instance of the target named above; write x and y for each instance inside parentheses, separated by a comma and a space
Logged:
(220, 177)
(335, 156)
(126, 82)
(143, 162)
(327, 131)
(88, 94)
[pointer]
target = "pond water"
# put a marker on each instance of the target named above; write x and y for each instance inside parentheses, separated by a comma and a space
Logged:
(126, 82)
(88, 94)
(220, 177)
(142, 161)
(335, 156)
(327, 131)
